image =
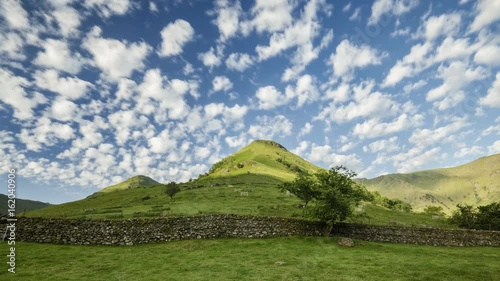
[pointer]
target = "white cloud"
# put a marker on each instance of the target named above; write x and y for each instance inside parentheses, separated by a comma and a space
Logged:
(492, 99)
(455, 77)
(428, 137)
(68, 87)
(356, 15)
(466, 151)
(152, 7)
(411, 64)
(115, 58)
(12, 46)
(56, 54)
(327, 155)
(239, 62)
(221, 83)
(442, 25)
(390, 7)
(487, 13)
(271, 127)
(348, 57)
(305, 90)
(384, 145)
(494, 148)
(414, 86)
(271, 16)
(68, 19)
(365, 104)
(227, 20)
(174, 36)
(12, 11)
(347, 8)
(162, 143)
(306, 129)
(374, 128)
(109, 8)
(236, 141)
(269, 97)
(210, 58)
(14, 94)
(63, 110)
(488, 55)
(416, 158)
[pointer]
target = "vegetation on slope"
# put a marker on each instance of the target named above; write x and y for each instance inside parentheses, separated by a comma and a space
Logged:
(133, 182)
(22, 205)
(475, 183)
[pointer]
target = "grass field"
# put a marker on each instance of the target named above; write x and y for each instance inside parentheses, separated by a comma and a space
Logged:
(293, 258)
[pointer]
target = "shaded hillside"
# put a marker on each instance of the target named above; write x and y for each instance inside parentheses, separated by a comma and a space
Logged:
(22, 205)
(474, 183)
(262, 157)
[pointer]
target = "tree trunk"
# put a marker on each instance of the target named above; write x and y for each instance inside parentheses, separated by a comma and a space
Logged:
(328, 229)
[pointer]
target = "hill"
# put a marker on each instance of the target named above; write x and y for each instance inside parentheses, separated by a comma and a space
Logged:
(474, 183)
(133, 182)
(262, 157)
(22, 205)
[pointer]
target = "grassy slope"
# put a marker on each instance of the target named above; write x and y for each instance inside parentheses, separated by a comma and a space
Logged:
(21, 205)
(308, 258)
(475, 183)
(261, 157)
(133, 182)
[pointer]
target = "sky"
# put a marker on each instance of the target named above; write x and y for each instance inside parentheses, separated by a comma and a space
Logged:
(93, 92)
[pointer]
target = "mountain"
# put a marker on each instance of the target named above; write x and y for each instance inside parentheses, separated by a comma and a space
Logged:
(264, 158)
(21, 205)
(133, 182)
(474, 183)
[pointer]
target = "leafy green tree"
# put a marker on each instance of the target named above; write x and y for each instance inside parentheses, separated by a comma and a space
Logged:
(434, 210)
(172, 189)
(488, 217)
(337, 193)
(464, 216)
(302, 187)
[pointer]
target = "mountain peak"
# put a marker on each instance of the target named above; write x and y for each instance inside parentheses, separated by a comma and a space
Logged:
(133, 182)
(269, 142)
(264, 158)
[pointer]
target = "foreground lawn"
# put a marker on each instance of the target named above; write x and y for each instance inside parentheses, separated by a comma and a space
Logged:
(294, 258)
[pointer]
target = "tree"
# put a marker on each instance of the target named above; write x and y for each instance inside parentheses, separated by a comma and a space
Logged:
(302, 187)
(337, 193)
(464, 216)
(172, 189)
(333, 193)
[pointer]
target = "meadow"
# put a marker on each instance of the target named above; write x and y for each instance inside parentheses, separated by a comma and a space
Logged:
(295, 258)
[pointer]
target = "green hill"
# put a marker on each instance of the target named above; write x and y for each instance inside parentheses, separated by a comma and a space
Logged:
(475, 183)
(22, 205)
(262, 157)
(133, 182)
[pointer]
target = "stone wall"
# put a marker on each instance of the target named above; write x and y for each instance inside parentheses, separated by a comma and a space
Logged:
(140, 231)
(421, 236)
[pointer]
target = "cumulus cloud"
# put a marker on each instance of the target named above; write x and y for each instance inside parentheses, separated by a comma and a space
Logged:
(269, 97)
(492, 99)
(221, 83)
(486, 14)
(115, 58)
(12, 46)
(68, 87)
(348, 57)
(211, 58)
(174, 36)
(326, 154)
(108, 8)
(271, 127)
(227, 20)
(374, 128)
(14, 13)
(390, 7)
(14, 94)
(56, 54)
(429, 137)
(271, 16)
(442, 25)
(239, 61)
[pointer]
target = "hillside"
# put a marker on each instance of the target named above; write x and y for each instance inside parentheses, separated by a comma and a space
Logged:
(133, 182)
(22, 205)
(262, 157)
(474, 183)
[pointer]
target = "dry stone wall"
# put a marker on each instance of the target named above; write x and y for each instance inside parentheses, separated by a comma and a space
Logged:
(141, 231)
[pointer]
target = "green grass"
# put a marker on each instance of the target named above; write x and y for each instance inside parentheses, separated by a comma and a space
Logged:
(253, 259)
(215, 197)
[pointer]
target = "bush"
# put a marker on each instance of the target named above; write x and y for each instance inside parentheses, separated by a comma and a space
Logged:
(483, 217)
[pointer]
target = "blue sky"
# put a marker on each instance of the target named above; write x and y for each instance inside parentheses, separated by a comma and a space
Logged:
(94, 92)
